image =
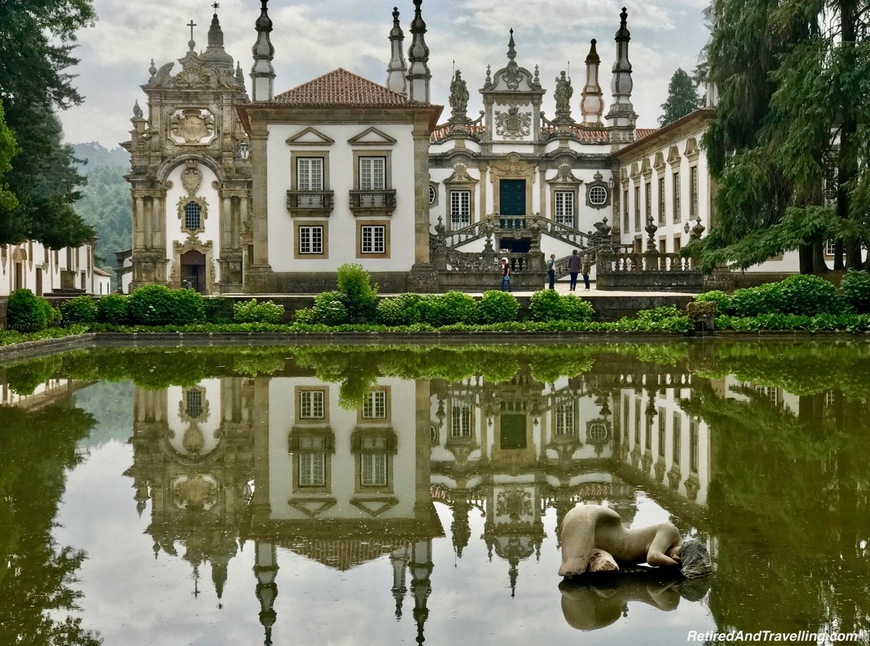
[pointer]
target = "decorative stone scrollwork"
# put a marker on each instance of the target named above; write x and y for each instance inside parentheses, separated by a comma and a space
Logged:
(192, 126)
(513, 124)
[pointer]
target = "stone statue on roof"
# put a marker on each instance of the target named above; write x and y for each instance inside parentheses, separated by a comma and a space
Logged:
(458, 99)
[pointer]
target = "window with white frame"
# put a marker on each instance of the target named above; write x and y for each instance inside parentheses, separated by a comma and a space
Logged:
(564, 207)
(830, 247)
(309, 177)
(597, 195)
(693, 192)
(564, 418)
(676, 186)
(310, 239)
(311, 404)
(676, 440)
(460, 209)
(372, 173)
(312, 469)
(373, 238)
(460, 420)
(375, 405)
(373, 469)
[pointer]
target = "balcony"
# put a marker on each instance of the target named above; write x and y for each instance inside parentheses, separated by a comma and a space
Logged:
(381, 202)
(308, 203)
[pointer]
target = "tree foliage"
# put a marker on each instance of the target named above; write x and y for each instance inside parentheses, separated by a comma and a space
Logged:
(682, 98)
(36, 41)
(788, 143)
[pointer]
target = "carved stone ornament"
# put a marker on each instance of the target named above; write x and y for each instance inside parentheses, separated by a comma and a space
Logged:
(191, 178)
(192, 126)
(513, 124)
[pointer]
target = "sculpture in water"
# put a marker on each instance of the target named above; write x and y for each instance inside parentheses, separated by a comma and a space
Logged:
(595, 540)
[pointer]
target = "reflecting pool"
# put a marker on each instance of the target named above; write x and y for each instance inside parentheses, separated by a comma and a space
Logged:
(402, 495)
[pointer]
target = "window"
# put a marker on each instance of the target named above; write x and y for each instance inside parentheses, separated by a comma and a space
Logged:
(311, 404)
(373, 239)
(375, 405)
(662, 432)
(193, 402)
(830, 247)
(192, 216)
(312, 469)
(648, 203)
(460, 209)
(309, 177)
(597, 195)
(564, 419)
(372, 173)
(310, 240)
(564, 211)
(637, 208)
(678, 431)
(693, 192)
(625, 210)
(373, 470)
(433, 195)
(677, 214)
(661, 200)
(460, 420)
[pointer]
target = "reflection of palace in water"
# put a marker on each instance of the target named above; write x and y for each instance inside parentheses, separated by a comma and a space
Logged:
(278, 461)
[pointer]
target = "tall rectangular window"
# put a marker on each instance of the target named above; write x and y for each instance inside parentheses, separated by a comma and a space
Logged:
(309, 173)
(661, 200)
(460, 420)
(460, 209)
(312, 469)
(625, 210)
(693, 192)
(677, 215)
(648, 203)
(310, 239)
(309, 177)
(372, 173)
(373, 470)
(373, 238)
(564, 211)
(564, 418)
(637, 208)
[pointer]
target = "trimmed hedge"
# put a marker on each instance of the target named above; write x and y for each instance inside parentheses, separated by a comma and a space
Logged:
(27, 312)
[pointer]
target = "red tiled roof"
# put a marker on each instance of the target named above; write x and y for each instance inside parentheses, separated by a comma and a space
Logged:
(640, 133)
(341, 88)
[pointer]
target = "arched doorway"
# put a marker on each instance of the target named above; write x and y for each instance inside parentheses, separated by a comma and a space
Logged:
(193, 270)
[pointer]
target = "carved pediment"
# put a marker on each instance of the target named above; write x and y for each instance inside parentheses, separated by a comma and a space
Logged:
(692, 149)
(659, 163)
(372, 137)
(673, 155)
(513, 165)
(460, 175)
(310, 137)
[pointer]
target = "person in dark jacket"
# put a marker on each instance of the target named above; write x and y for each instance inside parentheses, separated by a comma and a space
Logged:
(573, 269)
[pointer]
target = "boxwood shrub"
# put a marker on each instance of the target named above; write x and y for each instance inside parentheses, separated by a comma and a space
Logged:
(254, 312)
(151, 305)
(27, 312)
(498, 307)
(113, 309)
(856, 290)
(188, 307)
(328, 309)
(403, 309)
(81, 309)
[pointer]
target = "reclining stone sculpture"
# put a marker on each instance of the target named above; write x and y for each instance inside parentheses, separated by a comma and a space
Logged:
(595, 540)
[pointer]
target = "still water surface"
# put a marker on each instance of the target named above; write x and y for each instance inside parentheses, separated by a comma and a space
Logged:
(402, 495)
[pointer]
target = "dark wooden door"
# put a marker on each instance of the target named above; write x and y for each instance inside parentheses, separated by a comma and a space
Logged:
(512, 197)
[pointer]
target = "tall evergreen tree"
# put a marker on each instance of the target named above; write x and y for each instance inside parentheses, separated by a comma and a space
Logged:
(785, 144)
(36, 41)
(682, 98)
(8, 150)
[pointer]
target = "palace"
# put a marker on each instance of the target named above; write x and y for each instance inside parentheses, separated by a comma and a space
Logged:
(272, 192)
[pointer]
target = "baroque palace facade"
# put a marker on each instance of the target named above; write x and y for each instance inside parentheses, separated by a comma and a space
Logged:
(270, 193)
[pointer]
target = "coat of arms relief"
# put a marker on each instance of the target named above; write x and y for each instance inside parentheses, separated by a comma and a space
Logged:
(513, 124)
(192, 126)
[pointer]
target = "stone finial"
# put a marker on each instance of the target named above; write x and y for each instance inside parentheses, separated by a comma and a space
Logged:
(418, 59)
(263, 73)
(397, 68)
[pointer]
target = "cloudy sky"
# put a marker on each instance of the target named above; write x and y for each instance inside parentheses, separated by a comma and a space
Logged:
(312, 37)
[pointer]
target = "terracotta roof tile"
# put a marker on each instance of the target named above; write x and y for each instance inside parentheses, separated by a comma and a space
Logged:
(640, 133)
(340, 88)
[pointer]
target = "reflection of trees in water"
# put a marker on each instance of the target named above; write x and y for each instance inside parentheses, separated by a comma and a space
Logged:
(36, 574)
(789, 504)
